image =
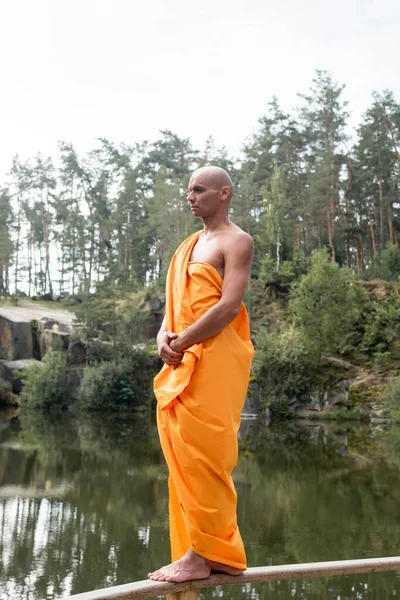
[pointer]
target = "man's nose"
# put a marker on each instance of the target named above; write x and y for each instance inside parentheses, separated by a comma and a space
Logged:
(190, 198)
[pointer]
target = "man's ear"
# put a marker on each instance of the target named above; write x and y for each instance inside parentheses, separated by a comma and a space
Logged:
(225, 192)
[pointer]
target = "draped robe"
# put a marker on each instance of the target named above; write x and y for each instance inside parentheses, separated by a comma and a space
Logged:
(198, 414)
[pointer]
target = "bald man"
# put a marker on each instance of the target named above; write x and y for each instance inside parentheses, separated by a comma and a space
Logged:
(205, 344)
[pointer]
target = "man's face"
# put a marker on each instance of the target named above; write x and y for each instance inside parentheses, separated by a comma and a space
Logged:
(204, 197)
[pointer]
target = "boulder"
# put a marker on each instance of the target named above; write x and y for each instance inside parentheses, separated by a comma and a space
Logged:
(46, 338)
(9, 399)
(15, 337)
(76, 353)
(46, 297)
(8, 368)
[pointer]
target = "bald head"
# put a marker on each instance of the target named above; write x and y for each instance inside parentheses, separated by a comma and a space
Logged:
(214, 176)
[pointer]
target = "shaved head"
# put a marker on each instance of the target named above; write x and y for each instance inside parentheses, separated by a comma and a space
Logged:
(214, 175)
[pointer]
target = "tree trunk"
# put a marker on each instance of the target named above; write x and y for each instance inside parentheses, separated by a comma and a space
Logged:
(373, 240)
(330, 235)
(360, 254)
(347, 209)
(390, 222)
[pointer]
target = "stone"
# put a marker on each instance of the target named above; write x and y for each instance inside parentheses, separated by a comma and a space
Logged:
(15, 337)
(20, 328)
(8, 368)
(76, 353)
(46, 338)
(340, 395)
(9, 399)
(46, 297)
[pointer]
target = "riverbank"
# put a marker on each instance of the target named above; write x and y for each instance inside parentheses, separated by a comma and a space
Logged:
(290, 378)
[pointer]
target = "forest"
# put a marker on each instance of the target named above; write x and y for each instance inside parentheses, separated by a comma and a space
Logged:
(319, 201)
(120, 210)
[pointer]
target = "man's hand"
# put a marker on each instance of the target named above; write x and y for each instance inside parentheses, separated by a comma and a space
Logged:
(165, 352)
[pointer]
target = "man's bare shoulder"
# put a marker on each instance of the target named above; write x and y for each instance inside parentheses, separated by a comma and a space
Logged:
(238, 236)
(237, 242)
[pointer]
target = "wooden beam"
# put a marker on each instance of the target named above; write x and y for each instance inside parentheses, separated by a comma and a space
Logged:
(150, 589)
(190, 594)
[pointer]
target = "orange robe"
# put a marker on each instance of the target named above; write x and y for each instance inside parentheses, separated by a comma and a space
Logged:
(199, 406)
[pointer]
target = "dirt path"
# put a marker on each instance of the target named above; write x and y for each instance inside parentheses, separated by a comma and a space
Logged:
(32, 311)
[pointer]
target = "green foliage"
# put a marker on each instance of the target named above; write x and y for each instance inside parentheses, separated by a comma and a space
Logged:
(382, 322)
(288, 273)
(46, 384)
(123, 384)
(285, 368)
(386, 265)
(324, 304)
(98, 351)
(392, 398)
(5, 386)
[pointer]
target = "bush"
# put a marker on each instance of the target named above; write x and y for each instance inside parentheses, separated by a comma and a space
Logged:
(5, 386)
(121, 384)
(46, 384)
(98, 351)
(325, 304)
(386, 265)
(285, 368)
(392, 398)
(381, 324)
(289, 271)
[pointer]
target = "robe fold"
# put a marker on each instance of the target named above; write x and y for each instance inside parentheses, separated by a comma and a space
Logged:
(198, 415)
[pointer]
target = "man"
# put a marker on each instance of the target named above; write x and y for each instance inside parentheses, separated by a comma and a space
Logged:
(205, 344)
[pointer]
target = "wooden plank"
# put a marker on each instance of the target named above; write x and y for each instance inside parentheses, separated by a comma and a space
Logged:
(190, 594)
(150, 589)
(303, 571)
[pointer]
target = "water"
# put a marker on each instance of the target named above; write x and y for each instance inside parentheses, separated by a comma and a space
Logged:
(83, 504)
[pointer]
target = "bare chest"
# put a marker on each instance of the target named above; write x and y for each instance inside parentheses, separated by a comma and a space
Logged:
(209, 252)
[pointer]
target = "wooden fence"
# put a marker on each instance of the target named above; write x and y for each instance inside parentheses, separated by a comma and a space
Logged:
(188, 590)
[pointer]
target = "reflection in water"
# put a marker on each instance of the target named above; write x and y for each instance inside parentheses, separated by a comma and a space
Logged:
(83, 504)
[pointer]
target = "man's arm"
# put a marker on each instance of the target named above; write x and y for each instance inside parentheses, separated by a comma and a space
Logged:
(238, 259)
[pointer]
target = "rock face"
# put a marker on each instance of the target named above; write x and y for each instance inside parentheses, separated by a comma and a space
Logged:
(25, 330)
(15, 338)
(46, 338)
(8, 368)
(76, 353)
(9, 399)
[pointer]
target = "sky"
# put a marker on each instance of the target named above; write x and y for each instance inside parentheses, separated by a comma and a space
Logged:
(77, 70)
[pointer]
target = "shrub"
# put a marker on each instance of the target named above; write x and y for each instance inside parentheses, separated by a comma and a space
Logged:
(285, 368)
(381, 324)
(98, 351)
(289, 271)
(324, 303)
(5, 386)
(392, 398)
(386, 265)
(120, 385)
(46, 384)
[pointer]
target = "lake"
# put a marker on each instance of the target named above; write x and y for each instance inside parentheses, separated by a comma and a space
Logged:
(84, 504)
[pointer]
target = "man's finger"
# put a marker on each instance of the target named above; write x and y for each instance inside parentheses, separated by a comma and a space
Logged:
(165, 349)
(171, 335)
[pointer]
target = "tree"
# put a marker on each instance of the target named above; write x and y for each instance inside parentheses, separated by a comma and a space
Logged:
(323, 116)
(323, 304)
(6, 244)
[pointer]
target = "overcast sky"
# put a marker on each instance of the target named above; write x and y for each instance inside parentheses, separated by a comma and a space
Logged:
(124, 69)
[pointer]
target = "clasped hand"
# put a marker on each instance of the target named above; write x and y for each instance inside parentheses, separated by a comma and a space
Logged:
(165, 351)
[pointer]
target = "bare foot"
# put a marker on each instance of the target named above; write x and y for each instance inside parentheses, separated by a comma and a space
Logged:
(221, 568)
(190, 566)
